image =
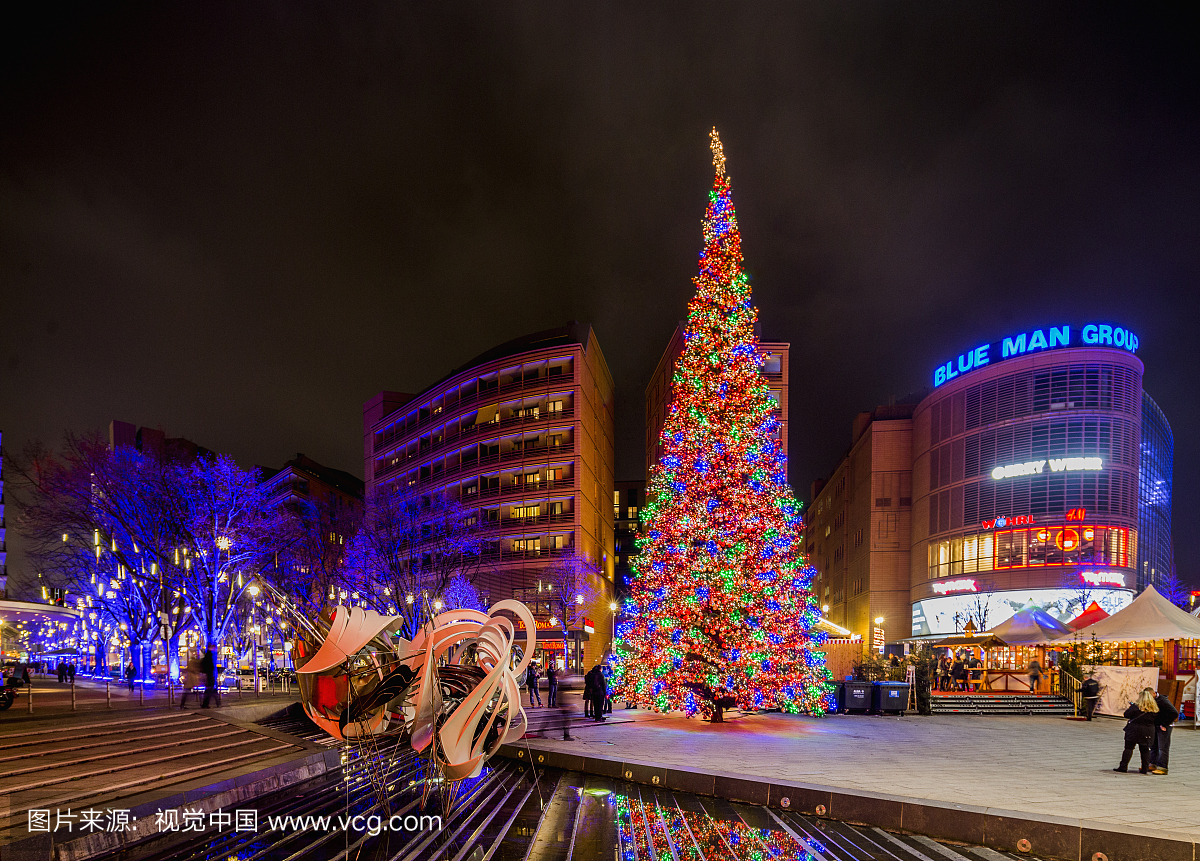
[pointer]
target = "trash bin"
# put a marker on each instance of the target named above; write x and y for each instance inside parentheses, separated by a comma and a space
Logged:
(854, 697)
(890, 697)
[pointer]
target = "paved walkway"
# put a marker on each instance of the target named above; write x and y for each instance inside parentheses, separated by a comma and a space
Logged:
(1043, 765)
(52, 698)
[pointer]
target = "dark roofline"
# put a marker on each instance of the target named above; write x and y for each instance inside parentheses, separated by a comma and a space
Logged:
(339, 479)
(573, 332)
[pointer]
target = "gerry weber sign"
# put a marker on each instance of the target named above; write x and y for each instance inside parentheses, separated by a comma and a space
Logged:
(1010, 346)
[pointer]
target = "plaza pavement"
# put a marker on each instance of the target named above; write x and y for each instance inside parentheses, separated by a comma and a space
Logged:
(1047, 766)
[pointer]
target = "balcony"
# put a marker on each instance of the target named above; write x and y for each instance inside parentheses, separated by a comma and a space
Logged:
(448, 440)
(480, 463)
(522, 523)
(428, 419)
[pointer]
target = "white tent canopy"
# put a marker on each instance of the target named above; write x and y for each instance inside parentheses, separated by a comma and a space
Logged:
(1030, 627)
(1149, 617)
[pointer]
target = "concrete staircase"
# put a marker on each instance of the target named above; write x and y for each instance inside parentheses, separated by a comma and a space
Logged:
(1002, 704)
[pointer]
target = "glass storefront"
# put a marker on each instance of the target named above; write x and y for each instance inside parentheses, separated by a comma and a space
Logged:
(1037, 546)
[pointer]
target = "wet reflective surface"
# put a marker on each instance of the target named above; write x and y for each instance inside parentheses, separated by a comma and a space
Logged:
(512, 812)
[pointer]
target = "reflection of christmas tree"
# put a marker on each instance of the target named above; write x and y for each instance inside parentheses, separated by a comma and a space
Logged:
(720, 612)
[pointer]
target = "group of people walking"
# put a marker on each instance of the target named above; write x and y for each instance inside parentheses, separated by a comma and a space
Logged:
(66, 672)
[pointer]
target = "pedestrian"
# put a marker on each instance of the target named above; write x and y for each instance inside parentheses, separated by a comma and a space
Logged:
(1160, 751)
(976, 667)
(1091, 695)
(129, 675)
(61, 672)
(606, 674)
(208, 666)
(71, 672)
(1142, 717)
(588, 684)
(958, 671)
(532, 675)
(599, 691)
(552, 685)
(188, 678)
(1035, 675)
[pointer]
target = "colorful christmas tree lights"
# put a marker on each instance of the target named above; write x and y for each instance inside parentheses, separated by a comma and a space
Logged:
(720, 612)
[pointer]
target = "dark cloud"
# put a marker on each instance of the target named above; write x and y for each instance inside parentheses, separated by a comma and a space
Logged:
(240, 221)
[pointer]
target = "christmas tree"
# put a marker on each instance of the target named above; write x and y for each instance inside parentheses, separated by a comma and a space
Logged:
(720, 610)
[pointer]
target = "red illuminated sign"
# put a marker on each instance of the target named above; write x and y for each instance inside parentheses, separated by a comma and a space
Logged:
(1077, 514)
(1003, 522)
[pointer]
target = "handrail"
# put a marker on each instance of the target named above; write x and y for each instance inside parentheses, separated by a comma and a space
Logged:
(449, 440)
(1072, 688)
(481, 462)
(538, 386)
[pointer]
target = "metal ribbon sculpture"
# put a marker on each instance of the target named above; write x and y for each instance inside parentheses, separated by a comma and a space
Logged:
(452, 688)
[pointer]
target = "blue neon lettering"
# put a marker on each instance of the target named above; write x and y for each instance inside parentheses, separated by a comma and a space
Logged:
(1090, 335)
(1060, 337)
(970, 363)
(1106, 334)
(1118, 337)
(1037, 341)
(939, 376)
(981, 355)
(950, 372)
(1014, 348)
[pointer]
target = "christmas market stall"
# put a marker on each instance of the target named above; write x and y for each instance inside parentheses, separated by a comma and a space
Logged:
(1150, 643)
(1028, 636)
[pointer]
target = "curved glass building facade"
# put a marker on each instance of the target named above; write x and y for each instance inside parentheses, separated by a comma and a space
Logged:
(1157, 558)
(1029, 481)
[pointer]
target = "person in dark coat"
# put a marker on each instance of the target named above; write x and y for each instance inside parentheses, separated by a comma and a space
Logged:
(599, 692)
(1160, 751)
(531, 678)
(1091, 695)
(130, 675)
(208, 666)
(1142, 718)
(552, 685)
(587, 694)
(958, 672)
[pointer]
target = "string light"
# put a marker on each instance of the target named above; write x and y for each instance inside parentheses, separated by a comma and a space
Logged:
(721, 608)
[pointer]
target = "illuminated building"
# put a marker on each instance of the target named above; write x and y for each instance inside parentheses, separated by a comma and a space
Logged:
(628, 498)
(659, 395)
(302, 479)
(3, 552)
(1039, 474)
(857, 529)
(523, 436)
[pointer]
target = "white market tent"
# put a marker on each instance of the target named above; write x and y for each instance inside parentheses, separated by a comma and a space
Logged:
(1030, 627)
(1149, 617)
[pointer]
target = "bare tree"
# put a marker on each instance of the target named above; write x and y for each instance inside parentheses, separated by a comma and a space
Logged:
(310, 567)
(1174, 590)
(575, 584)
(1082, 591)
(98, 520)
(230, 532)
(410, 547)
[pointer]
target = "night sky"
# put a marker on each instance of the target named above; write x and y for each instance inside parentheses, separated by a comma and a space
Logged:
(237, 222)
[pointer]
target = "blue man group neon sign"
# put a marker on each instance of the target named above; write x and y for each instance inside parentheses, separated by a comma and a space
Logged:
(1054, 337)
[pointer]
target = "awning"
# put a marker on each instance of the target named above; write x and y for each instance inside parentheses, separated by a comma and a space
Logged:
(1030, 627)
(984, 641)
(1149, 617)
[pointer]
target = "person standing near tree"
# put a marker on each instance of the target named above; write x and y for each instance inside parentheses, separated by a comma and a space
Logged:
(552, 685)
(1160, 751)
(599, 692)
